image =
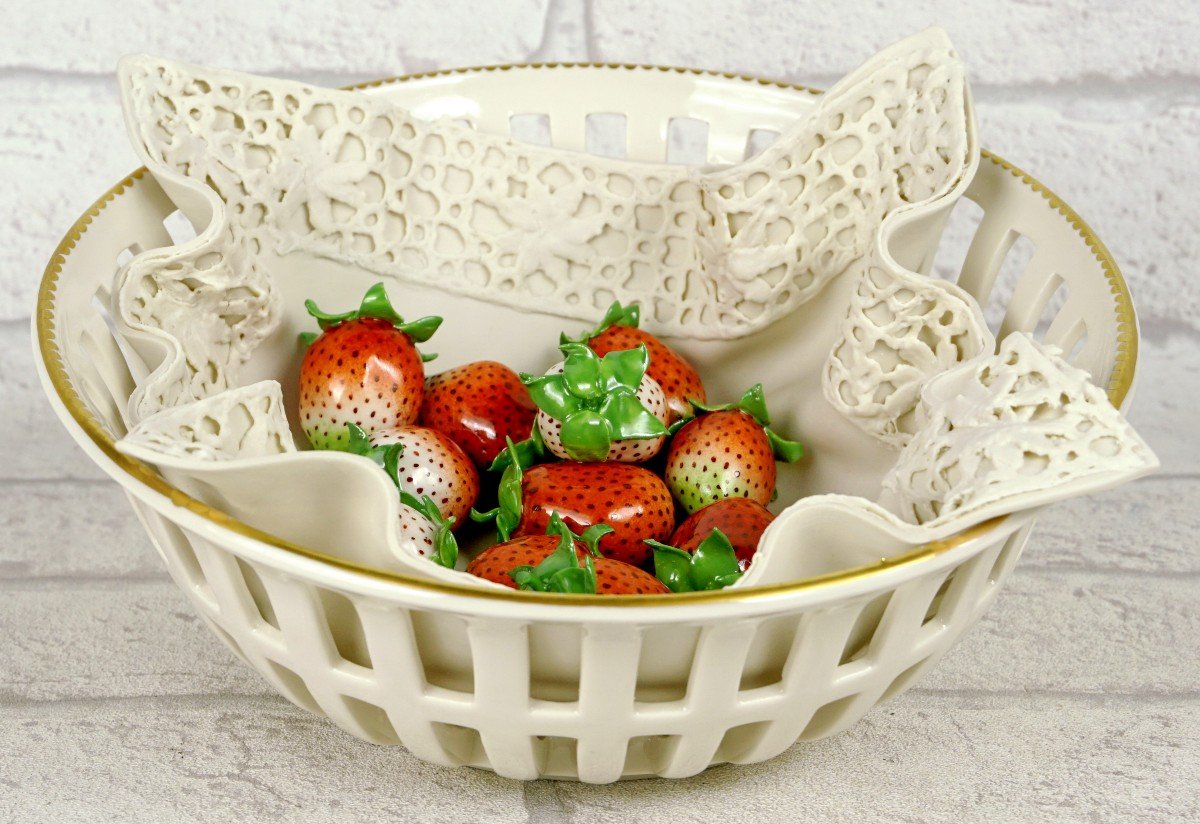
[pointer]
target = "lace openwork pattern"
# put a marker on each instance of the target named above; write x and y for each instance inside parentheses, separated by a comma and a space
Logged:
(901, 330)
(246, 422)
(206, 305)
(1014, 423)
(707, 254)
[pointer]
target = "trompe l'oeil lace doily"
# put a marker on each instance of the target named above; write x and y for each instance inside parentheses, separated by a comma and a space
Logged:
(350, 176)
(1012, 424)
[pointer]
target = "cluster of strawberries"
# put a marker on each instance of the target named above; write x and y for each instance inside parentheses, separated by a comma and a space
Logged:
(595, 458)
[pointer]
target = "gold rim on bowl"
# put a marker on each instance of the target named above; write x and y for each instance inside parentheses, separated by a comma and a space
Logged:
(1119, 385)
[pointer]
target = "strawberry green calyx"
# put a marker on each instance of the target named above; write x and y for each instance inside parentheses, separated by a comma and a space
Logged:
(386, 456)
(754, 404)
(713, 564)
(617, 315)
(561, 571)
(527, 452)
(596, 400)
(507, 512)
(375, 304)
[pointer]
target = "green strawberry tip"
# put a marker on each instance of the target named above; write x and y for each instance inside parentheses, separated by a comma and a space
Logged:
(375, 304)
(713, 564)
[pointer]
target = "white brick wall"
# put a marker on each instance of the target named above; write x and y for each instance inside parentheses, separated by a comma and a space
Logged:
(1076, 696)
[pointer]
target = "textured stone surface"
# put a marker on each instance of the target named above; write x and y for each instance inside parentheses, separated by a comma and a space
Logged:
(1029, 42)
(224, 759)
(1093, 532)
(341, 36)
(1077, 696)
(944, 758)
(61, 529)
(105, 639)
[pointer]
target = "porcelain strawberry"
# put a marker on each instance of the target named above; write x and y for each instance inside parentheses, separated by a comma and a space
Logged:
(363, 368)
(558, 561)
(593, 408)
(424, 530)
(678, 379)
(712, 565)
(631, 500)
(429, 464)
(478, 406)
(727, 452)
(741, 520)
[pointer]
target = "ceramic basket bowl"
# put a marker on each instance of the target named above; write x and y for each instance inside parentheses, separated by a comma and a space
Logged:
(594, 689)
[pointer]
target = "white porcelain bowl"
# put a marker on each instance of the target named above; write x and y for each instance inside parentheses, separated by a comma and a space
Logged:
(594, 689)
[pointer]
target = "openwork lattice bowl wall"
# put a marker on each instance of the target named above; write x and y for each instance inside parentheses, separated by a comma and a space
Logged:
(559, 686)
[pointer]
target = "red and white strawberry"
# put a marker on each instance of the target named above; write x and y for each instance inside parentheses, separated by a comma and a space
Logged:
(560, 562)
(363, 368)
(727, 452)
(631, 500)
(678, 379)
(431, 465)
(632, 450)
(478, 406)
(424, 530)
(742, 521)
(595, 408)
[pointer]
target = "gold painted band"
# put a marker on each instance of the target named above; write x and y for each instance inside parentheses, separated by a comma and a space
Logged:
(1118, 387)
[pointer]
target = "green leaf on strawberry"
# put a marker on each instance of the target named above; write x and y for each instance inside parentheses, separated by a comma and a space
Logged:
(387, 456)
(713, 564)
(617, 315)
(527, 452)
(754, 403)
(595, 399)
(507, 512)
(562, 571)
(445, 546)
(375, 304)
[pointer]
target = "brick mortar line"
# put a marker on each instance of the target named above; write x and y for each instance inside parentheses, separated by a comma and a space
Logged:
(1072, 87)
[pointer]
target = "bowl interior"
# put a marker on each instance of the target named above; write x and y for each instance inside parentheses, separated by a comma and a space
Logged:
(786, 358)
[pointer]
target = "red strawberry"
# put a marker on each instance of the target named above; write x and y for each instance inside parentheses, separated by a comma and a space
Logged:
(727, 452)
(633, 501)
(680, 382)
(740, 519)
(478, 405)
(431, 465)
(363, 368)
(559, 562)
